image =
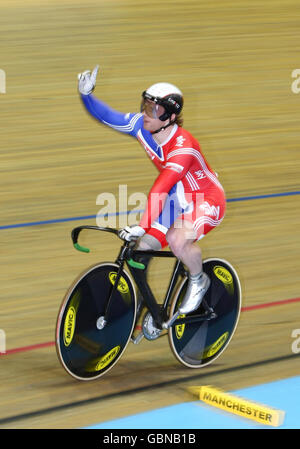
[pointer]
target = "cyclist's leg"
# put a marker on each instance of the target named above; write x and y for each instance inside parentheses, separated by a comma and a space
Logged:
(149, 242)
(182, 238)
(154, 239)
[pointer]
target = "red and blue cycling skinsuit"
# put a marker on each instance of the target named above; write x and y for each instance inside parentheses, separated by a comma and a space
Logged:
(186, 187)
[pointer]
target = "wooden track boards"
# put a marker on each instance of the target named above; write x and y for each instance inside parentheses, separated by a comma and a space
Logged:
(233, 61)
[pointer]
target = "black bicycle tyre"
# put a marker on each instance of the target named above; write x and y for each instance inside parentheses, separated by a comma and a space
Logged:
(208, 339)
(86, 352)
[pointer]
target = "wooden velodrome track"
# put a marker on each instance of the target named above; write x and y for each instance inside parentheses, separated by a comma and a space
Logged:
(233, 61)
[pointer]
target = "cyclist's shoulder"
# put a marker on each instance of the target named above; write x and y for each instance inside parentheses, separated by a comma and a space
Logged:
(184, 139)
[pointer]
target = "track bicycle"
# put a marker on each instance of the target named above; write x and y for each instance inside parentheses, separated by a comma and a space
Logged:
(99, 312)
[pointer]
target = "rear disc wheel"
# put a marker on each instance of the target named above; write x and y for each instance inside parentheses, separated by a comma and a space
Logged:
(199, 343)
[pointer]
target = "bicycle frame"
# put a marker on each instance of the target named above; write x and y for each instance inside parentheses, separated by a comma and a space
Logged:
(158, 312)
(126, 254)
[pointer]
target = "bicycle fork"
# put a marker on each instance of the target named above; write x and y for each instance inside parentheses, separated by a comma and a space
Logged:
(102, 320)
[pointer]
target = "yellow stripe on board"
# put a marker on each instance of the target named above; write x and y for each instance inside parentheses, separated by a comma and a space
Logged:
(239, 406)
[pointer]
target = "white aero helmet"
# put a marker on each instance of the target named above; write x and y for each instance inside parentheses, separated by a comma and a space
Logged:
(167, 95)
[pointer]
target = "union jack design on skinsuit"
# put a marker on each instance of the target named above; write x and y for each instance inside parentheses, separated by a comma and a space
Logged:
(186, 186)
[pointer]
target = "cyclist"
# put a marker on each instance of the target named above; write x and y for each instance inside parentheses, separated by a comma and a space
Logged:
(186, 200)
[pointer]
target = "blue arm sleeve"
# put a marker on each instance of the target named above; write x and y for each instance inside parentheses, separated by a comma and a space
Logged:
(126, 123)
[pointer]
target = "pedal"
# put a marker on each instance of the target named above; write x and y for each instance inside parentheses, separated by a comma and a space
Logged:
(150, 331)
(137, 335)
(212, 315)
(169, 323)
(136, 340)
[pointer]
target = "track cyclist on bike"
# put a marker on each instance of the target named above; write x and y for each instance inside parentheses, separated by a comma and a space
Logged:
(186, 200)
